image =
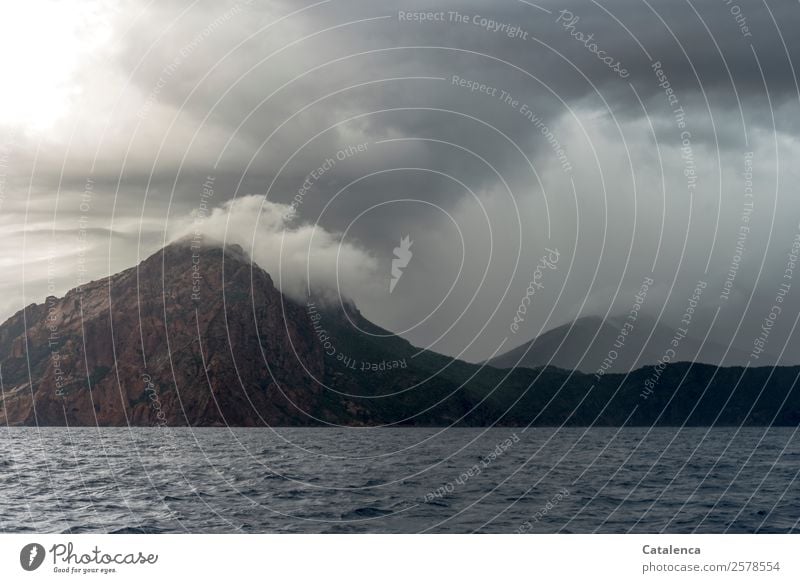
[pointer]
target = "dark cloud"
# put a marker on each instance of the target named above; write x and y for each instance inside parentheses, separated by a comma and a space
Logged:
(558, 150)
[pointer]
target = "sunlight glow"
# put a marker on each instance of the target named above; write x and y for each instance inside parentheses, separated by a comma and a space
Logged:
(43, 44)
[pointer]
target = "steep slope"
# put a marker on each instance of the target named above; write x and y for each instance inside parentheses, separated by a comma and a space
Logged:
(202, 337)
(177, 340)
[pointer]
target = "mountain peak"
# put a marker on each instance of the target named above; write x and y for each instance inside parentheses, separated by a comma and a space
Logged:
(208, 243)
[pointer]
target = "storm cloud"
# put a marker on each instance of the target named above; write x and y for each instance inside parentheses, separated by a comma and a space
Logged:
(637, 139)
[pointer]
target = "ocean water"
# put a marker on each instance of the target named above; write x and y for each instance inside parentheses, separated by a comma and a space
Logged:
(399, 480)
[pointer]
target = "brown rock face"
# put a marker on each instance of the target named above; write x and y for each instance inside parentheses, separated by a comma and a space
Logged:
(191, 336)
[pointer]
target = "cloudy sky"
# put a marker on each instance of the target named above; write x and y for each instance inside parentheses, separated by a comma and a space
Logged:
(635, 140)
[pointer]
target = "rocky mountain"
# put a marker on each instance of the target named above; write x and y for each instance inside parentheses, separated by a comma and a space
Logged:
(190, 336)
(201, 336)
(587, 344)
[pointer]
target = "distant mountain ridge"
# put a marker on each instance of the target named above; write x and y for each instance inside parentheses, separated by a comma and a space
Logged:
(591, 344)
(200, 336)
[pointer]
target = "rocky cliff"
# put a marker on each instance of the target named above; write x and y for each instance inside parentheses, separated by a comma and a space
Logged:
(201, 336)
(190, 336)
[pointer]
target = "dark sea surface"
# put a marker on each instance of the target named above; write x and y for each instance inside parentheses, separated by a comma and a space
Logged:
(399, 480)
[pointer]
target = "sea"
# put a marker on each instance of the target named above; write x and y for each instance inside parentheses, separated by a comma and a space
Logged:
(399, 480)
